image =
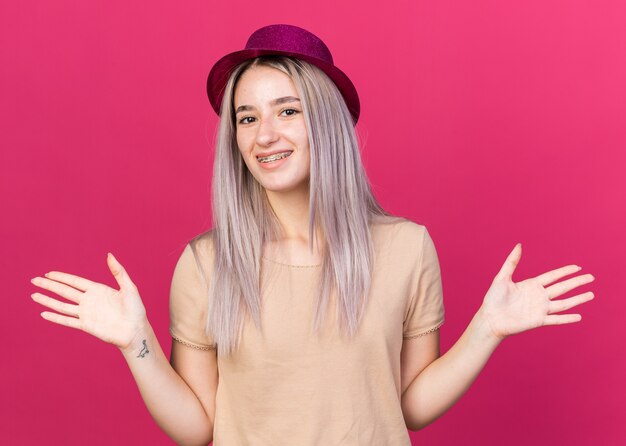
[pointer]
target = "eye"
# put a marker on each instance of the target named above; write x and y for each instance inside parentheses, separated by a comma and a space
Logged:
(295, 111)
(291, 109)
(241, 121)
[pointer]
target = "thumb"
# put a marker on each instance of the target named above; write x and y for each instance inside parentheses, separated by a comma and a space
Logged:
(118, 271)
(506, 272)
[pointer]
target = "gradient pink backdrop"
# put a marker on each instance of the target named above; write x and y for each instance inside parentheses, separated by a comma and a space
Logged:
(490, 122)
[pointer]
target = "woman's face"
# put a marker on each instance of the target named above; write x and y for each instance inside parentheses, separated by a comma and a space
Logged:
(269, 119)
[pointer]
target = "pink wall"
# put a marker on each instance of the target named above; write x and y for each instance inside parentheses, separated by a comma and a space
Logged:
(491, 123)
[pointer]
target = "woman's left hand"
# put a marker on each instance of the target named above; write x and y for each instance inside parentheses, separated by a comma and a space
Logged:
(511, 308)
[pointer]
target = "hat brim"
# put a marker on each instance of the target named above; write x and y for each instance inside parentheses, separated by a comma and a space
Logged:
(222, 69)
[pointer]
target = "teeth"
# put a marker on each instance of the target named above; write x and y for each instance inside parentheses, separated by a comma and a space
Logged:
(274, 157)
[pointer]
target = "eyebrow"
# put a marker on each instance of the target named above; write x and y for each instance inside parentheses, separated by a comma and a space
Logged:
(275, 102)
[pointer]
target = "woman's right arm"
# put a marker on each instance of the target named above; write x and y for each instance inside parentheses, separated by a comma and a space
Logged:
(179, 395)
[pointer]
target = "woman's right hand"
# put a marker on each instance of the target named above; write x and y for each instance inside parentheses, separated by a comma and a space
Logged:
(114, 316)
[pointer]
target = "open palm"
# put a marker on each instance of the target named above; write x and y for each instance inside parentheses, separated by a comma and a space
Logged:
(512, 307)
(114, 316)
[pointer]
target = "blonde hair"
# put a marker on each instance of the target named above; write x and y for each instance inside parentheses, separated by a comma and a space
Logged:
(341, 205)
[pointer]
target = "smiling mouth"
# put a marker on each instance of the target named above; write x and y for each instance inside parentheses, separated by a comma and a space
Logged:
(274, 157)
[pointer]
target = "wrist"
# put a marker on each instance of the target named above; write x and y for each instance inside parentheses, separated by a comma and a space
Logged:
(484, 328)
(142, 332)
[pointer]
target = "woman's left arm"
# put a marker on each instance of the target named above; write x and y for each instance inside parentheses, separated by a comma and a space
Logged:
(508, 308)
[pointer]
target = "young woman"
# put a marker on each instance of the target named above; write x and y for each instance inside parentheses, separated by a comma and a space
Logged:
(307, 315)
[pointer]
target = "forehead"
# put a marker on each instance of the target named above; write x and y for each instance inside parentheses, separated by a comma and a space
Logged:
(262, 84)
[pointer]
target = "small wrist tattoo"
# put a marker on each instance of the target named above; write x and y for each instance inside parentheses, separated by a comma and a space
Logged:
(144, 351)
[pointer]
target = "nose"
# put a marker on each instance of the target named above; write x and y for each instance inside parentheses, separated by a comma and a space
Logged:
(266, 133)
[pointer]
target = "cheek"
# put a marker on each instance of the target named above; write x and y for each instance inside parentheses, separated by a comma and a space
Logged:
(307, 152)
(242, 135)
(304, 143)
(243, 144)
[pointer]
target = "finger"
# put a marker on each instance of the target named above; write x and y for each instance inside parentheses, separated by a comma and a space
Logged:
(77, 282)
(61, 320)
(557, 306)
(118, 271)
(556, 274)
(559, 319)
(56, 305)
(563, 287)
(58, 288)
(506, 272)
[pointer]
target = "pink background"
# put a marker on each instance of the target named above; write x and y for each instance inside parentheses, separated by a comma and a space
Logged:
(490, 122)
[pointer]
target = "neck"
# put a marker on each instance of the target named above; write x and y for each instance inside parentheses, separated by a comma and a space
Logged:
(292, 210)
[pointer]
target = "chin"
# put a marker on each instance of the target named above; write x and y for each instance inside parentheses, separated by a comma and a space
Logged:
(274, 187)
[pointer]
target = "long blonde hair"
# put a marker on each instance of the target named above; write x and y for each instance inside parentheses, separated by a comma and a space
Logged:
(341, 205)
